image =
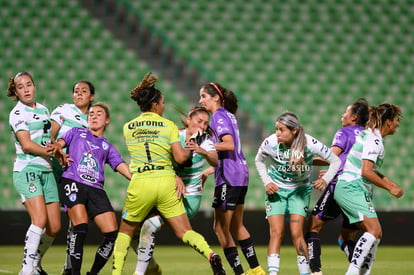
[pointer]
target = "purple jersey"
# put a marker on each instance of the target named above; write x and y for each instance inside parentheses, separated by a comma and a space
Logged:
(89, 154)
(344, 138)
(232, 166)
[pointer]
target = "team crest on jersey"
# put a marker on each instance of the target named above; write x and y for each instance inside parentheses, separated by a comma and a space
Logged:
(32, 188)
(72, 197)
(105, 145)
(89, 161)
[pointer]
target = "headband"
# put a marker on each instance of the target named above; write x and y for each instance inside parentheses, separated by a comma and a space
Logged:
(196, 109)
(218, 90)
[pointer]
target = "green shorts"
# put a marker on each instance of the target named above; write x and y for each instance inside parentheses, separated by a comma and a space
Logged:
(143, 194)
(355, 200)
(289, 201)
(192, 205)
(30, 183)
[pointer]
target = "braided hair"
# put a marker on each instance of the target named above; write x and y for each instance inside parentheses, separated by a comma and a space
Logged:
(145, 93)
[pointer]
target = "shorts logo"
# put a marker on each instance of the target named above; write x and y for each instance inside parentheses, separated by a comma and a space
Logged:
(32, 188)
(371, 208)
(268, 207)
(223, 192)
(72, 197)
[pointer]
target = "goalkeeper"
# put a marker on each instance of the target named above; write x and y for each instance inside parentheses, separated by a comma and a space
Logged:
(192, 174)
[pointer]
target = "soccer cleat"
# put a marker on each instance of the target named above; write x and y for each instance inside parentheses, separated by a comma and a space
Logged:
(216, 265)
(258, 270)
(67, 271)
(33, 272)
(155, 270)
(39, 271)
(317, 273)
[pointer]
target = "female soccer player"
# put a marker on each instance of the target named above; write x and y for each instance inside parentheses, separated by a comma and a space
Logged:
(32, 172)
(326, 209)
(64, 118)
(353, 192)
(231, 177)
(192, 174)
(287, 185)
(153, 143)
(81, 187)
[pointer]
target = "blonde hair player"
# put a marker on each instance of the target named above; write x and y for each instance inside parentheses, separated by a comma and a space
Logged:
(288, 189)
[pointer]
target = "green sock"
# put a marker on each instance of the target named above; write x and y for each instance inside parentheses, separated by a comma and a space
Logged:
(198, 243)
(120, 252)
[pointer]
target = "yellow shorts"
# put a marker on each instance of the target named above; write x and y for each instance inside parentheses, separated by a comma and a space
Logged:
(143, 194)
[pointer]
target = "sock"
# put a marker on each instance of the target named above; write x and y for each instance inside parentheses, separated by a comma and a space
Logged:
(303, 265)
(69, 233)
(198, 243)
(249, 252)
(31, 245)
(104, 252)
(146, 244)
(76, 247)
(120, 252)
(369, 260)
(273, 263)
(314, 249)
(232, 257)
(362, 248)
(348, 247)
(45, 242)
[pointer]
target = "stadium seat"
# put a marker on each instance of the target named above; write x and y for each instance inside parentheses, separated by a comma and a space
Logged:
(312, 57)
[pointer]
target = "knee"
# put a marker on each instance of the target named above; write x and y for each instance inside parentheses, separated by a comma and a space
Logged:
(276, 234)
(316, 225)
(377, 233)
(217, 229)
(53, 229)
(53, 232)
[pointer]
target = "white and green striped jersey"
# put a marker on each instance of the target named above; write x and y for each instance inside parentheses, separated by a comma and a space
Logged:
(37, 122)
(281, 172)
(68, 116)
(368, 145)
(191, 176)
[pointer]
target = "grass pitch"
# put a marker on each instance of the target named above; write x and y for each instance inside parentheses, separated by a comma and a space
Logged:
(183, 260)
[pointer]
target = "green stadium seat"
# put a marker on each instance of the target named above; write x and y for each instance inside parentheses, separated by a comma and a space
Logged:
(312, 57)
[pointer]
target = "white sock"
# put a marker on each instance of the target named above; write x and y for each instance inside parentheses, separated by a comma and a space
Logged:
(147, 243)
(303, 265)
(30, 258)
(369, 260)
(362, 248)
(273, 263)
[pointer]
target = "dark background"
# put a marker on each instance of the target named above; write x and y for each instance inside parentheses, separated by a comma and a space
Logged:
(397, 229)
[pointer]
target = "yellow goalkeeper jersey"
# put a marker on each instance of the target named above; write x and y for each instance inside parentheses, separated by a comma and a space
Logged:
(148, 138)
